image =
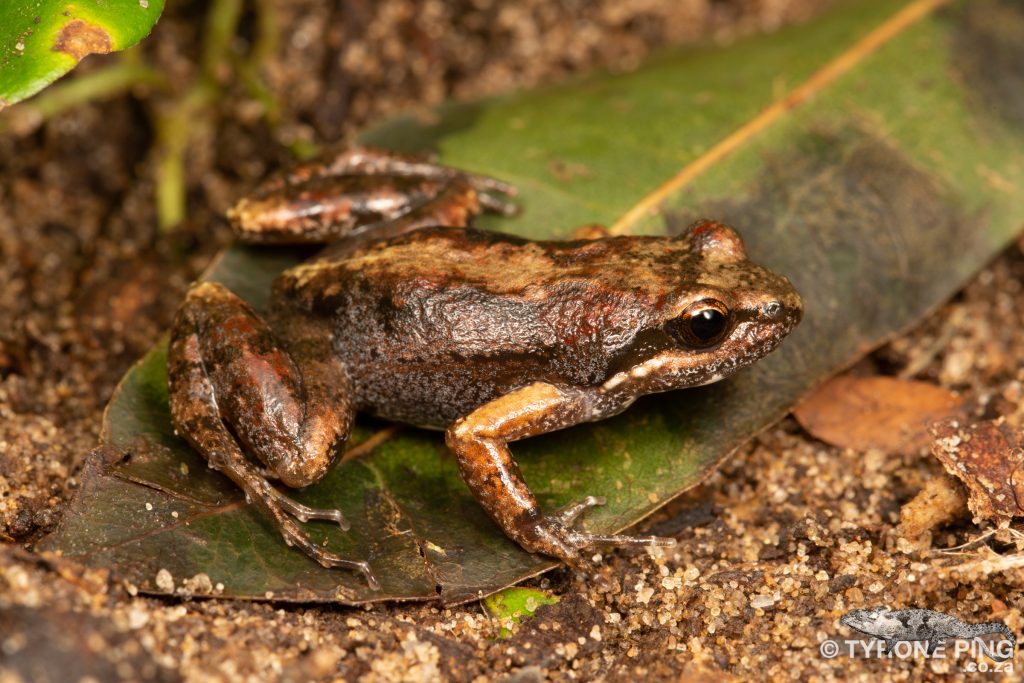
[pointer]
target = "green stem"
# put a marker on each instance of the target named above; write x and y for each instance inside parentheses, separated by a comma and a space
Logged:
(263, 48)
(221, 26)
(175, 127)
(174, 131)
(267, 37)
(105, 83)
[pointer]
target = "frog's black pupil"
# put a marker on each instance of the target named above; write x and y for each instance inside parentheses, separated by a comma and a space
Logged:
(707, 325)
(702, 325)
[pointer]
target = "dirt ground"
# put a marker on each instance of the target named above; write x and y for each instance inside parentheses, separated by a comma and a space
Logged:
(789, 535)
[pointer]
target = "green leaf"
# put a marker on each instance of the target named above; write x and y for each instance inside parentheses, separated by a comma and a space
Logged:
(41, 40)
(863, 156)
(513, 605)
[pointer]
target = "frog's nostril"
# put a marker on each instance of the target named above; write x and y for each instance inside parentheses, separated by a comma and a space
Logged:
(772, 309)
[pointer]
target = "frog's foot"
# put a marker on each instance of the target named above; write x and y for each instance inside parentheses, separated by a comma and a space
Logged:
(227, 458)
(279, 506)
(326, 200)
(554, 535)
(304, 513)
(293, 536)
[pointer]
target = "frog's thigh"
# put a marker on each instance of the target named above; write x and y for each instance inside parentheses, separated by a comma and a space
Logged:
(294, 417)
(480, 443)
(200, 386)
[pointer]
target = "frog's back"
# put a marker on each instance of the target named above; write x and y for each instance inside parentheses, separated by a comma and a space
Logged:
(439, 321)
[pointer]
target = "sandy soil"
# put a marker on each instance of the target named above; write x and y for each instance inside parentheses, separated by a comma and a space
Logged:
(774, 547)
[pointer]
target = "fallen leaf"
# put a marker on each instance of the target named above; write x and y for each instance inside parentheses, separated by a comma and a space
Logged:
(883, 413)
(858, 182)
(987, 457)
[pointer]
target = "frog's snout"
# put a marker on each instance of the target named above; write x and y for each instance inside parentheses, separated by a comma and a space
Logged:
(786, 314)
(771, 310)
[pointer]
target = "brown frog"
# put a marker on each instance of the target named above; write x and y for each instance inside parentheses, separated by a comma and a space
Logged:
(411, 316)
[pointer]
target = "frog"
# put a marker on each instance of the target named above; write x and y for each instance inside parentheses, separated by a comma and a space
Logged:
(411, 314)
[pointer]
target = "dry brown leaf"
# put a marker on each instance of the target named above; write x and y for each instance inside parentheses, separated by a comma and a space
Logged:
(883, 413)
(987, 457)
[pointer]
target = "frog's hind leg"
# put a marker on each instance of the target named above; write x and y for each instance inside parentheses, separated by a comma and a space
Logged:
(375, 161)
(231, 382)
(317, 204)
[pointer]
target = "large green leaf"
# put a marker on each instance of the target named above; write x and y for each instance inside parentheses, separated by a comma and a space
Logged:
(41, 40)
(876, 157)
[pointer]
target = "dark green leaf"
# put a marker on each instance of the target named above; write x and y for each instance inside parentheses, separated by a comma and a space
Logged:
(878, 185)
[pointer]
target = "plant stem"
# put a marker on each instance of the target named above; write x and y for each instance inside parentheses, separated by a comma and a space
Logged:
(175, 128)
(121, 76)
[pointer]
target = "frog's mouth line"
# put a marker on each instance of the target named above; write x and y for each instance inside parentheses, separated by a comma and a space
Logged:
(750, 345)
(760, 337)
(750, 340)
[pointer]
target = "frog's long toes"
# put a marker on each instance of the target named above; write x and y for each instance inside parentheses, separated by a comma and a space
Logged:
(582, 539)
(329, 514)
(304, 513)
(486, 183)
(332, 560)
(570, 513)
(371, 580)
(497, 204)
(621, 540)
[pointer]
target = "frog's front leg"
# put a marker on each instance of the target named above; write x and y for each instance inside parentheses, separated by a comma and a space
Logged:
(480, 443)
(225, 368)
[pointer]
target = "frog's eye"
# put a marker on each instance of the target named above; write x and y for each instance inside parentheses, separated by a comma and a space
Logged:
(701, 325)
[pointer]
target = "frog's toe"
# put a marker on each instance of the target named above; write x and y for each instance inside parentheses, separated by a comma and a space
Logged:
(493, 194)
(492, 202)
(554, 535)
(304, 513)
(570, 513)
(293, 536)
(582, 539)
(622, 540)
(331, 560)
(486, 183)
